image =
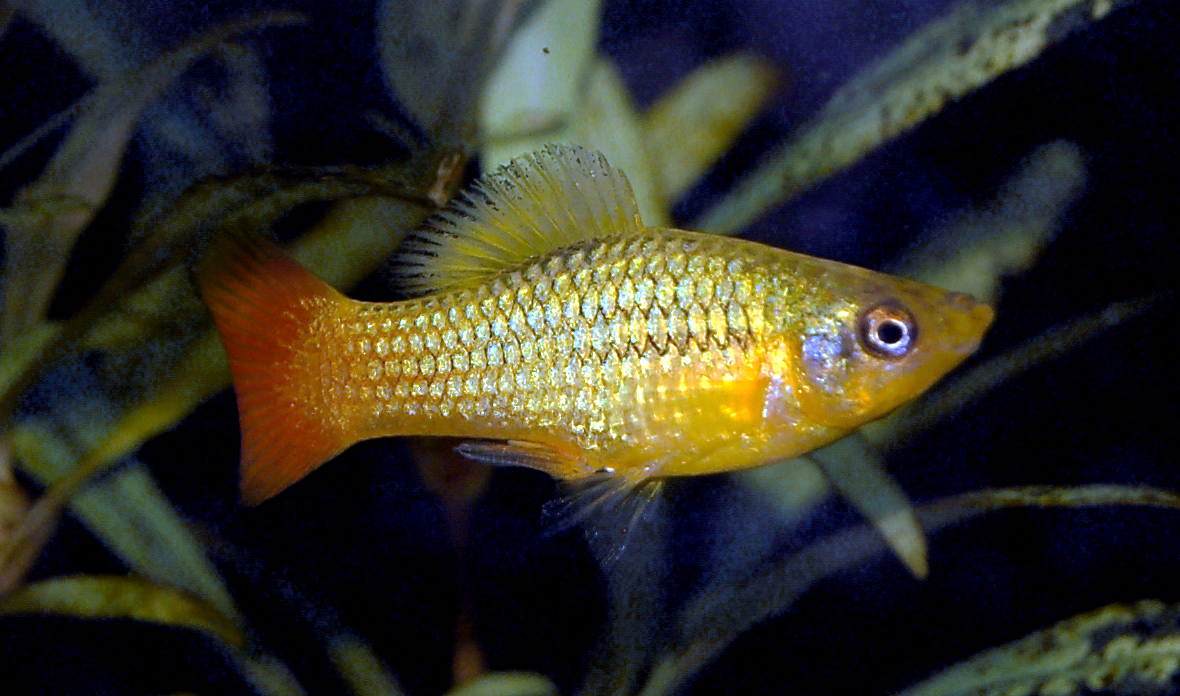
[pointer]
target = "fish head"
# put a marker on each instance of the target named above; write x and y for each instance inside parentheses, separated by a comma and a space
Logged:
(871, 342)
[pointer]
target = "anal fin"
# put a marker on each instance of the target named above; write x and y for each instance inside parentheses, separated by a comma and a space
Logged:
(512, 453)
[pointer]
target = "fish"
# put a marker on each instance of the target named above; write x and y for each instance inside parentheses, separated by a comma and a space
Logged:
(548, 327)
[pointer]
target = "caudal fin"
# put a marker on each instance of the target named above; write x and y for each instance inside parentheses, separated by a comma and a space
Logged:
(265, 306)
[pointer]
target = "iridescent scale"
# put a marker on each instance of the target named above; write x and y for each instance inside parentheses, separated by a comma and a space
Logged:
(597, 346)
(560, 333)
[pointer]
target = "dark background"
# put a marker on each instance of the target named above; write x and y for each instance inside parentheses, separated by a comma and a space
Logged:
(362, 543)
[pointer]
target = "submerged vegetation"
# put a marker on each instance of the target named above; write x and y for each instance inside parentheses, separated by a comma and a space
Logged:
(1021, 151)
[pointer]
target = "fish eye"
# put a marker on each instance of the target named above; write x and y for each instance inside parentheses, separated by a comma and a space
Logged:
(888, 330)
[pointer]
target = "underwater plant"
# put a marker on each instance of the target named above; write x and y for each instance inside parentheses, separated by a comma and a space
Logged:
(1020, 151)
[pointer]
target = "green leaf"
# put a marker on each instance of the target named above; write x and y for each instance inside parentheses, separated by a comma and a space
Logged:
(506, 684)
(965, 49)
(50, 213)
(1120, 648)
(119, 597)
(711, 622)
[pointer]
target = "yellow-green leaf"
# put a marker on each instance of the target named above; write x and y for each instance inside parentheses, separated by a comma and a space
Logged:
(695, 122)
(82, 174)
(1120, 648)
(965, 49)
(119, 597)
(506, 684)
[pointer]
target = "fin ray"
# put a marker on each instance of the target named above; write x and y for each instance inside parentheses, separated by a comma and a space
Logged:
(611, 510)
(510, 453)
(264, 305)
(553, 198)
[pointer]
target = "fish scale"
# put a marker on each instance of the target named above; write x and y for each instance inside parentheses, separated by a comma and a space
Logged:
(404, 368)
(556, 331)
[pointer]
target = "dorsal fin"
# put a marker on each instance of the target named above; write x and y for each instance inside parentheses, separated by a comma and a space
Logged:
(538, 202)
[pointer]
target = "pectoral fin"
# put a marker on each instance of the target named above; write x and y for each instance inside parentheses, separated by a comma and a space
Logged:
(610, 508)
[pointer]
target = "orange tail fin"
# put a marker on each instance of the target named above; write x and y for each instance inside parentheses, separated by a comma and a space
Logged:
(265, 307)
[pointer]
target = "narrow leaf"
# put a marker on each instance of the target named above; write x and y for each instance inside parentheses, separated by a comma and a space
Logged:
(360, 667)
(1120, 648)
(967, 48)
(435, 57)
(162, 359)
(507, 684)
(712, 622)
(856, 470)
(83, 171)
(118, 597)
(696, 122)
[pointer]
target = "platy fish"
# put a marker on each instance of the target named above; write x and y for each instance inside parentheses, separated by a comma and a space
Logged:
(555, 331)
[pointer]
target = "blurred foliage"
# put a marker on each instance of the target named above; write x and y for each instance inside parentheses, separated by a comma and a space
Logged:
(164, 128)
(1120, 649)
(968, 47)
(96, 596)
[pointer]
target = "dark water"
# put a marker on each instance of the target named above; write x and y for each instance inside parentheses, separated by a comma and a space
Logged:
(362, 543)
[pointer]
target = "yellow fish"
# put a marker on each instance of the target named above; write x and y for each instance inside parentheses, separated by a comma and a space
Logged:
(556, 331)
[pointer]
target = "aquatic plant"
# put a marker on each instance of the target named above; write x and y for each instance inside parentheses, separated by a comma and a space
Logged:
(1018, 150)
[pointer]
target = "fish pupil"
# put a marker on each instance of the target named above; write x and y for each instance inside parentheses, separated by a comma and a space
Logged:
(890, 332)
(887, 330)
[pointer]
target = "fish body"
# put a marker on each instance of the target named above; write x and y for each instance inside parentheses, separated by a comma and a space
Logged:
(558, 332)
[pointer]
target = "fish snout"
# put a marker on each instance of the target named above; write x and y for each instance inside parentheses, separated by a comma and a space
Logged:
(971, 320)
(979, 312)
